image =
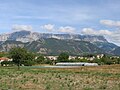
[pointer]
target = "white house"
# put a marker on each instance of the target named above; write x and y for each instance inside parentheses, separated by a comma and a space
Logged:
(52, 57)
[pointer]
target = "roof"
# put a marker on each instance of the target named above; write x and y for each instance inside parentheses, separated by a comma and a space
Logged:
(76, 64)
(4, 58)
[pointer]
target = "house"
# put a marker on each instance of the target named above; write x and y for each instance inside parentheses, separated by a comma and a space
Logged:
(99, 56)
(72, 57)
(52, 57)
(4, 59)
(91, 58)
(80, 57)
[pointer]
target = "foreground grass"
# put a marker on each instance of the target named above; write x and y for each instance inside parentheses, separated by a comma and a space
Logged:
(83, 78)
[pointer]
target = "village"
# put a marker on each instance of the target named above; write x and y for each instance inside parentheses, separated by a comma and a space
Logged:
(89, 60)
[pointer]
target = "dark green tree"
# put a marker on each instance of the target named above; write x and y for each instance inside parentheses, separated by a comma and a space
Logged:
(21, 56)
(29, 59)
(63, 57)
(7, 63)
(118, 61)
(40, 59)
(18, 54)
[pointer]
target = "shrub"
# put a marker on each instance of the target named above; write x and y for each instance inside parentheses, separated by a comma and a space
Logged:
(7, 63)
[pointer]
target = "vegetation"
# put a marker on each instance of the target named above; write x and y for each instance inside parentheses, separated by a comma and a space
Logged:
(105, 60)
(21, 56)
(36, 78)
(7, 63)
(4, 54)
(63, 57)
(53, 46)
(82, 78)
(40, 59)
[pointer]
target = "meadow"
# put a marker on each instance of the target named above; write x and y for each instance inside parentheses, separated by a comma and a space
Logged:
(82, 78)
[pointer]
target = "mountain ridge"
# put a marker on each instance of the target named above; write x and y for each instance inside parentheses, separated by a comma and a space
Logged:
(28, 36)
(46, 43)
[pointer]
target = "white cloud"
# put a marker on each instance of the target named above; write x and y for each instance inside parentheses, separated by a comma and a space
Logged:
(22, 27)
(66, 29)
(115, 36)
(90, 31)
(48, 27)
(110, 23)
(111, 36)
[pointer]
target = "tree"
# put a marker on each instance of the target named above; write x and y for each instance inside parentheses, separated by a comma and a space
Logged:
(40, 59)
(28, 59)
(118, 61)
(63, 57)
(17, 54)
(21, 56)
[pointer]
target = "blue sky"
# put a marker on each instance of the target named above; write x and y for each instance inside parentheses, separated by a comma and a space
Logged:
(62, 16)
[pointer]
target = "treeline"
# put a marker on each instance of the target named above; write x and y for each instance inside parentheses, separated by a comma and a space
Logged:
(105, 60)
(22, 57)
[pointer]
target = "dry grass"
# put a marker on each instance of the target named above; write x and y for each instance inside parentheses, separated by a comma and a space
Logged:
(83, 78)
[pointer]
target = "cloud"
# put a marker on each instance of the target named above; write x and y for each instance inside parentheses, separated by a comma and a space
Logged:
(48, 27)
(111, 36)
(110, 23)
(22, 27)
(90, 31)
(61, 29)
(115, 36)
(66, 29)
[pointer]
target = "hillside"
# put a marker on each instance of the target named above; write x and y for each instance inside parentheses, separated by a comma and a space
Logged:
(116, 51)
(106, 46)
(53, 44)
(54, 47)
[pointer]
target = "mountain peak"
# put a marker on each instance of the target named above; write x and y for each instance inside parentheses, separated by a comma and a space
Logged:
(28, 36)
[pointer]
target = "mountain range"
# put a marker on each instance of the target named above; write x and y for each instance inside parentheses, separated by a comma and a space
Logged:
(54, 44)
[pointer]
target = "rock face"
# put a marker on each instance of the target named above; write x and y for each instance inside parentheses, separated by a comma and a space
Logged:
(27, 36)
(7, 45)
(4, 37)
(116, 51)
(52, 44)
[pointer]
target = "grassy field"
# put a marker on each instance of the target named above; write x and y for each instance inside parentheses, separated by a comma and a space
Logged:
(83, 78)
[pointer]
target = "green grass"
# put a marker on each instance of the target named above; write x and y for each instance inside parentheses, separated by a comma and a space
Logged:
(83, 78)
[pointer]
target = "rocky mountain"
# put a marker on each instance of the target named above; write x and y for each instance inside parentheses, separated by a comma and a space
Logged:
(52, 44)
(28, 36)
(116, 51)
(106, 46)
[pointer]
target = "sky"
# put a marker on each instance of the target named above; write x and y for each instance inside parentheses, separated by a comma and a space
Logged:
(89, 17)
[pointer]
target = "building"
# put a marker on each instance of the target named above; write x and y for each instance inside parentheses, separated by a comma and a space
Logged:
(76, 64)
(4, 59)
(52, 57)
(99, 56)
(72, 57)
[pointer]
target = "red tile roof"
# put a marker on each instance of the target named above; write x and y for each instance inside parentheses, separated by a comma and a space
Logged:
(4, 58)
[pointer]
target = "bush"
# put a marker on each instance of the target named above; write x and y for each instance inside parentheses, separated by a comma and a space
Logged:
(28, 63)
(63, 57)
(7, 63)
(40, 59)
